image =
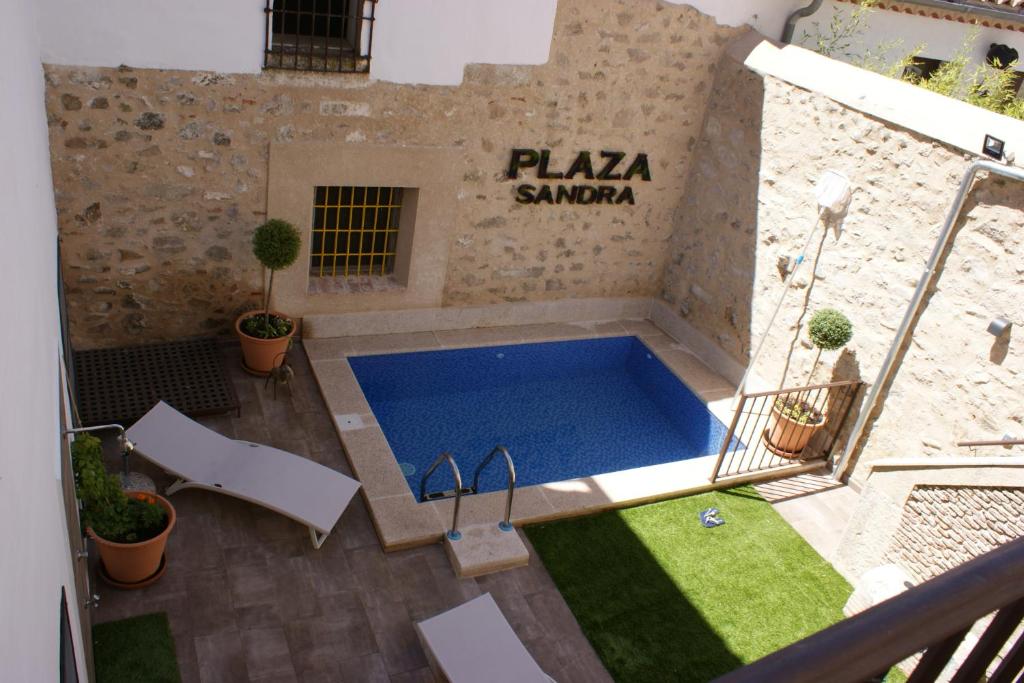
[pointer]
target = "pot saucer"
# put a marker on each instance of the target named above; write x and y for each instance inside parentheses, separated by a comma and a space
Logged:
(148, 581)
(788, 455)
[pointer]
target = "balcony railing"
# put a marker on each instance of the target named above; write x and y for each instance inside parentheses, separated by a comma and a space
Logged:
(780, 429)
(933, 617)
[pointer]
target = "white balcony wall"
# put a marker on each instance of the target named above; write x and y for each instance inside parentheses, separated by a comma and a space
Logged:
(414, 41)
(35, 559)
(936, 38)
(431, 42)
(767, 16)
(202, 35)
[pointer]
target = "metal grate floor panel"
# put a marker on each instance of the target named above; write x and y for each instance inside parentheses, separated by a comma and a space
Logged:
(121, 385)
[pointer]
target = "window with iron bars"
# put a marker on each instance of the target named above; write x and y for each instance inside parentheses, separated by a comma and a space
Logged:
(319, 35)
(355, 231)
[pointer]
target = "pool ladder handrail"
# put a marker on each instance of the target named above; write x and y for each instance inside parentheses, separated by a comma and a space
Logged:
(453, 533)
(506, 524)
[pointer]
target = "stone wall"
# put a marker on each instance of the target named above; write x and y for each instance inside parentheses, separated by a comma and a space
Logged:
(749, 209)
(869, 537)
(943, 527)
(161, 176)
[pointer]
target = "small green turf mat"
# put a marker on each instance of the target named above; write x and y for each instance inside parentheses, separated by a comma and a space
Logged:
(135, 650)
(662, 598)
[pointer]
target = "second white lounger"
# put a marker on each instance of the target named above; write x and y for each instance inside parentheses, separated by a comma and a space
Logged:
(474, 643)
(290, 484)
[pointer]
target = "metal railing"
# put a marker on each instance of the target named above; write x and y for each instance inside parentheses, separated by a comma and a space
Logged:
(505, 525)
(319, 35)
(453, 533)
(1007, 443)
(934, 617)
(774, 430)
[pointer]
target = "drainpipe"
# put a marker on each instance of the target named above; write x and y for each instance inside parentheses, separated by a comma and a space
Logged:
(914, 307)
(787, 33)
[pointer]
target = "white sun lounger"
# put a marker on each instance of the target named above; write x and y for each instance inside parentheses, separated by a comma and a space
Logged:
(294, 486)
(474, 642)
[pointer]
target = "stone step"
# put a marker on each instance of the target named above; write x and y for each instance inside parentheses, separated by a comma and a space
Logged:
(485, 549)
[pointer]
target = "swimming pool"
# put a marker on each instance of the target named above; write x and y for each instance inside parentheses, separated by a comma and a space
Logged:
(563, 409)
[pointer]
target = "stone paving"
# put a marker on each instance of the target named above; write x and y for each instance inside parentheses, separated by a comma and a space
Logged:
(249, 599)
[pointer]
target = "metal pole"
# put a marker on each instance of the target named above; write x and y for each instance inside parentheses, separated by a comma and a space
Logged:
(915, 302)
(126, 446)
(778, 307)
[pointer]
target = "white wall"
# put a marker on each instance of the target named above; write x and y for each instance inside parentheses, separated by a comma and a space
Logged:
(414, 41)
(940, 39)
(201, 35)
(35, 560)
(431, 42)
(767, 16)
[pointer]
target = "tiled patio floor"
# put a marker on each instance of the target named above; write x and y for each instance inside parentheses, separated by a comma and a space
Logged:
(250, 600)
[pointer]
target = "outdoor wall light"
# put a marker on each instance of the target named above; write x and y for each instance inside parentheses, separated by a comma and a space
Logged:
(999, 327)
(993, 147)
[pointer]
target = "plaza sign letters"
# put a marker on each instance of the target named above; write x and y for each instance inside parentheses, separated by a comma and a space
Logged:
(605, 166)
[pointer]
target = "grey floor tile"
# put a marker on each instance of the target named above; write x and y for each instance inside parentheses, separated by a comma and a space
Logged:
(368, 669)
(267, 656)
(319, 646)
(209, 602)
(424, 675)
(249, 599)
(252, 584)
(393, 630)
(221, 658)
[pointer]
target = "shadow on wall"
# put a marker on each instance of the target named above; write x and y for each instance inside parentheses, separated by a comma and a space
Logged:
(713, 287)
(986, 195)
(846, 368)
(804, 307)
(1000, 347)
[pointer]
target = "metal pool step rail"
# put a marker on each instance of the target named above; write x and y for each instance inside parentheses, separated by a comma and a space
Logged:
(453, 533)
(505, 525)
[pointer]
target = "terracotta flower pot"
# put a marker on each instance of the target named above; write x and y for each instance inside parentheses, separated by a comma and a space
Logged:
(787, 438)
(263, 355)
(129, 563)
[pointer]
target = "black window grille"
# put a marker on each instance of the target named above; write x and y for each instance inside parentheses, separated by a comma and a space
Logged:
(319, 35)
(355, 231)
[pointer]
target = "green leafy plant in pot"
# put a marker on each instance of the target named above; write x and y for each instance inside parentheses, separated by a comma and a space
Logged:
(129, 529)
(795, 420)
(266, 335)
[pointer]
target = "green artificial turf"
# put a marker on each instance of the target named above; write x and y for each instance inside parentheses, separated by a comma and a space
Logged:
(136, 650)
(664, 599)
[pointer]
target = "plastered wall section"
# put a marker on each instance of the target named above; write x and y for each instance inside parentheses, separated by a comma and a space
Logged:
(749, 210)
(36, 562)
(162, 176)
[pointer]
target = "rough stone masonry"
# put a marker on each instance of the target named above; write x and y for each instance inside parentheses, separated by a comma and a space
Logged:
(161, 176)
(734, 243)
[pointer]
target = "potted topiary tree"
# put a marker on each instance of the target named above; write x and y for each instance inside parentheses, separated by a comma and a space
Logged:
(794, 420)
(130, 529)
(266, 335)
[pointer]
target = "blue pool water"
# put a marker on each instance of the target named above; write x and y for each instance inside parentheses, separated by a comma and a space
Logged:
(563, 409)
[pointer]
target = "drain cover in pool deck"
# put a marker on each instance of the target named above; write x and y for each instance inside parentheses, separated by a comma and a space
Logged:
(121, 385)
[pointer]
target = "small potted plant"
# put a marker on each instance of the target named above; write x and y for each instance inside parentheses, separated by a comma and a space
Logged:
(266, 335)
(794, 420)
(129, 529)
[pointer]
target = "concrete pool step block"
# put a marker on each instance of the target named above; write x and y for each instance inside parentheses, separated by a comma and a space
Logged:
(486, 549)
